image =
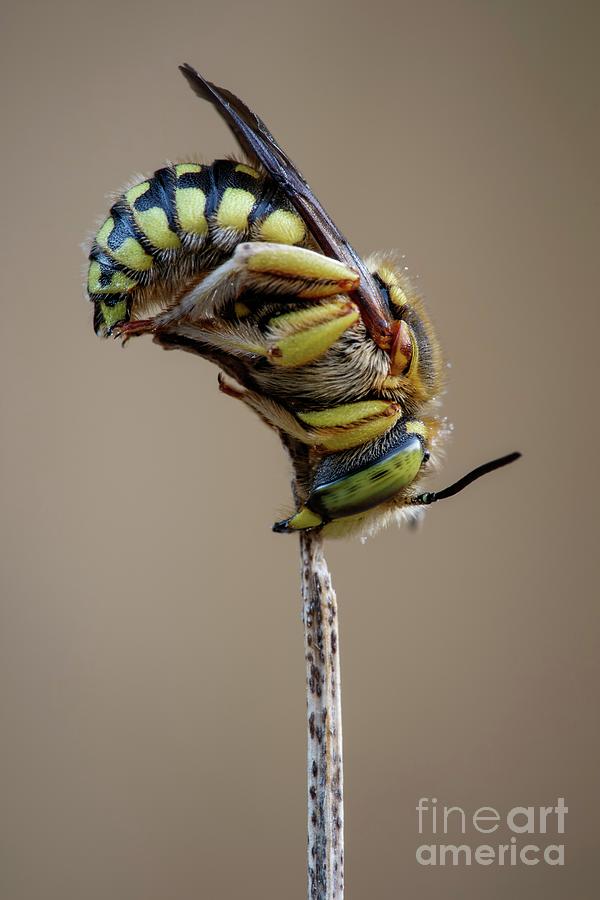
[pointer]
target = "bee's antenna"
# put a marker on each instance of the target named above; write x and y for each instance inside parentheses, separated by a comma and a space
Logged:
(465, 481)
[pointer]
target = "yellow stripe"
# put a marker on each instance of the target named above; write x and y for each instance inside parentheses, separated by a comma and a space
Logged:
(136, 191)
(93, 284)
(283, 227)
(130, 253)
(190, 204)
(153, 222)
(104, 231)
(155, 225)
(242, 168)
(114, 314)
(397, 295)
(186, 169)
(119, 283)
(234, 208)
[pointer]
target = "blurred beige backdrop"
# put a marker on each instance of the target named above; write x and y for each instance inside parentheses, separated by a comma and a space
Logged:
(151, 671)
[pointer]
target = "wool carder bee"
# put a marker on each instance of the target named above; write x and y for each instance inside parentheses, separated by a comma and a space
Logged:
(239, 262)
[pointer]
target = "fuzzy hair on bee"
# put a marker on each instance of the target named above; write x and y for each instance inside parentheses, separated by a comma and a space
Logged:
(238, 261)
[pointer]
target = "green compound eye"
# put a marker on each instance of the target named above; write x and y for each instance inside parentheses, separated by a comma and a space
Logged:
(369, 485)
(354, 481)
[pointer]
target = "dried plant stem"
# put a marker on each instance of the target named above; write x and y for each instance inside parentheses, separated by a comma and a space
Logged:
(324, 714)
(325, 768)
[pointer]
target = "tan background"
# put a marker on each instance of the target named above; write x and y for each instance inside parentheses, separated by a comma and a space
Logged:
(152, 679)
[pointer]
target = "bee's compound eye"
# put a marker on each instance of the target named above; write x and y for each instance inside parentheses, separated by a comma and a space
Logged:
(347, 483)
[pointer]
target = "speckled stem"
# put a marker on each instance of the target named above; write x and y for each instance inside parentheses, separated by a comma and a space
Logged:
(324, 716)
(325, 768)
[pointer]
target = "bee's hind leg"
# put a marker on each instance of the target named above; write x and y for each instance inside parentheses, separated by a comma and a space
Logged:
(272, 413)
(230, 389)
(338, 428)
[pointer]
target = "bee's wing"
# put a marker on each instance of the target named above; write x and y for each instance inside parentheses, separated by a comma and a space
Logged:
(259, 145)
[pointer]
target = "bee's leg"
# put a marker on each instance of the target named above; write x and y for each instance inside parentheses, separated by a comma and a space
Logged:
(292, 339)
(283, 268)
(338, 428)
(302, 336)
(350, 424)
(269, 268)
(272, 413)
(236, 391)
(133, 328)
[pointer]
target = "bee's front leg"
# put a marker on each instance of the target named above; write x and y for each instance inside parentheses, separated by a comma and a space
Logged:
(134, 328)
(267, 268)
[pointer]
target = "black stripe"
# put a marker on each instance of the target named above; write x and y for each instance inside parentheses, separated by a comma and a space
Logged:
(122, 210)
(225, 176)
(113, 299)
(206, 181)
(160, 194)
(190, 180)
(221, 173)
(268, 201)
(98, 318)
(242, 179)
(124, 226)
(108, 265)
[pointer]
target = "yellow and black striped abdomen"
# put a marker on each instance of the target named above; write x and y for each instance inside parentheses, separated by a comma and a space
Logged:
(186, 217)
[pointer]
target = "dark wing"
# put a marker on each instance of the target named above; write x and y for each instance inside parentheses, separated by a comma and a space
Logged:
(259, 145)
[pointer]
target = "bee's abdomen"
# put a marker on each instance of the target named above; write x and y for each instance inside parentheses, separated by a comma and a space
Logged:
(188, 213)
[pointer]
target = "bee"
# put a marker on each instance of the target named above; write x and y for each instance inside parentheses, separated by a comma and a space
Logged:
(238, 261)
